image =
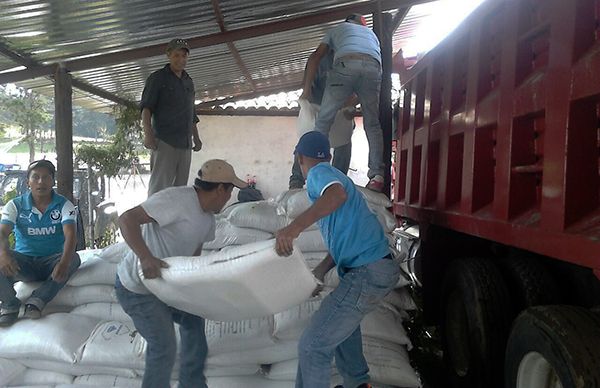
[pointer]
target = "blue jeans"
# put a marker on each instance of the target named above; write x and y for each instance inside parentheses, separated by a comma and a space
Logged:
(341, 161)
(154, 320)
(363, 77)
(334, 330)
(34, 268)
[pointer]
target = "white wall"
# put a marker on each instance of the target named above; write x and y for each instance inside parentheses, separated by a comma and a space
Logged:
(263, 146)
(255, 146)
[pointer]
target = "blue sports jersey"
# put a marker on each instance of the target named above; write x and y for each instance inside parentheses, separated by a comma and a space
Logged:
(352, 232)
(38, 234)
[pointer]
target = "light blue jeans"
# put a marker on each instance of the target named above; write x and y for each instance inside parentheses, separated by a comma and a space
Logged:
(334, 330)
(363, 77)
(154, 320)
(34, 268)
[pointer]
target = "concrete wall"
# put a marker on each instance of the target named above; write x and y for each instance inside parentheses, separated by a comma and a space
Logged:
(263, 147)
(254, 146)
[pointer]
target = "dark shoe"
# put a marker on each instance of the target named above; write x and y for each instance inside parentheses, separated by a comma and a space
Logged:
(32, 312)
(8, 319)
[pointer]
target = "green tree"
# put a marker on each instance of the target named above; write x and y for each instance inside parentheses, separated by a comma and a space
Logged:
(120, 150)
(29, 111)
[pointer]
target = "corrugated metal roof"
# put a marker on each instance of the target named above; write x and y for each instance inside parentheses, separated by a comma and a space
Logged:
(52, 31)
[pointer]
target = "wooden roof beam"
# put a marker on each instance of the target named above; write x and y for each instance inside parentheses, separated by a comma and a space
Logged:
(232, 48)
(76, 83)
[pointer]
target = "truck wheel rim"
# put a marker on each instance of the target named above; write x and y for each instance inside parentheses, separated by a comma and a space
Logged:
(536, 372)
(457, 334)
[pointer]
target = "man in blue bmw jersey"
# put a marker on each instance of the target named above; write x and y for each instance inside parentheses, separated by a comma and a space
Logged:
(44, 224)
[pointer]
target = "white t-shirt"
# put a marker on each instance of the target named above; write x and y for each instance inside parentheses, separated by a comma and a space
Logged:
(181, 227)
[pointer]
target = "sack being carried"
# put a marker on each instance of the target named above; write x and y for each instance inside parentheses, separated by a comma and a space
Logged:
(249, 281)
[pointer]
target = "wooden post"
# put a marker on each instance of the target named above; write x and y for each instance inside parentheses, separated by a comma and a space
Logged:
(63, 124)
(382, 23)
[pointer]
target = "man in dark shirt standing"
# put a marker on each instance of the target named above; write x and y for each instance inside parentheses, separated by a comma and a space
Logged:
(169, 120)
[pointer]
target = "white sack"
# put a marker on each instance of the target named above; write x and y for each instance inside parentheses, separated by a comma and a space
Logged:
(311, 241)
(290, 324)
(36, 377)
(113, 344)
(114, 253)
(374, 197)
(249, 281)
(94, 271)
(70, 296)
(261, 215)
(247, 382)
(88, 254)
(223, 337)
(386, 325)
(9, 371)
(401, 299)
(389, 363)
(286, 370)
(281, 351)
(235, 370)
(227, 234)
(385, 217)
(307, 116)
(295, 202)
(54, 337)
(77, 369)
(103, 311)
(108, 381)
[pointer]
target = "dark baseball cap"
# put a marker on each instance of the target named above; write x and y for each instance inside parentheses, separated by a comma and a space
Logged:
(43, 163)
(178, 43)
(314, 145)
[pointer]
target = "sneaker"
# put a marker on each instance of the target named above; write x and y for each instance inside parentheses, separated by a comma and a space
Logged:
(7, 319)
(32, 312)
(376, 184)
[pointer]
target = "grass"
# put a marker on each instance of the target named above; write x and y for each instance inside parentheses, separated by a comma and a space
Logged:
(23, 148)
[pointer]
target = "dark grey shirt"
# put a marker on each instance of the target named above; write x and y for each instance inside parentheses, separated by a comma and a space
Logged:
(171, 101)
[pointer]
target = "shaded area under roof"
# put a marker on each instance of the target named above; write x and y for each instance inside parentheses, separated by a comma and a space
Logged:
(54, 31)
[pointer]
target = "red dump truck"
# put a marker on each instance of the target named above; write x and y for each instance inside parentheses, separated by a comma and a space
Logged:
(497, 161)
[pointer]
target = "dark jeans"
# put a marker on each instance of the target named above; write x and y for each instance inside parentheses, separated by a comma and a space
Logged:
(154, 320)
(34, 268)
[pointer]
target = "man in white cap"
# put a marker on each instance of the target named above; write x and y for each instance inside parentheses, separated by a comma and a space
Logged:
(356, 69)
(173, 222)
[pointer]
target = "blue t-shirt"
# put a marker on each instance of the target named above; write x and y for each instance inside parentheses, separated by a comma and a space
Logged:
(350, 38)
(352, 232)
(38, 234)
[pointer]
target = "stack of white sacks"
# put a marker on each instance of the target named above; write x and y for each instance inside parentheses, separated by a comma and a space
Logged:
(86, 339)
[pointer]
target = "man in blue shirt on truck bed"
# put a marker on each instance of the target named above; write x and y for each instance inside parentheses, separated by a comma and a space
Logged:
(44, 224)
(357, 245)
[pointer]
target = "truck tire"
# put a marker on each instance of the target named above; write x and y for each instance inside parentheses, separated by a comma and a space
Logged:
(554, 346)
(475, 323)
(529, 282)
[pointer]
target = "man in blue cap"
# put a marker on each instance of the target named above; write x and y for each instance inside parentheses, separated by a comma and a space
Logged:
(44, 224)
(357, 245)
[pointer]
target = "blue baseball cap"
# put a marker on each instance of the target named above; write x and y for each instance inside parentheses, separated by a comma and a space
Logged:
(314, 145)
